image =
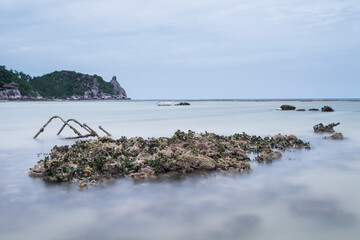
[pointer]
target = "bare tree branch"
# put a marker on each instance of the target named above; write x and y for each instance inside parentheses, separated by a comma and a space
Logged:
(72, 120)
(107, 133)
(65, 123)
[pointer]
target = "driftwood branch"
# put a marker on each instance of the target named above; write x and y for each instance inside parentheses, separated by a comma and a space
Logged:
(107, 133)
(82, 136)
(91, 132)
(65, 123)
(72, 120)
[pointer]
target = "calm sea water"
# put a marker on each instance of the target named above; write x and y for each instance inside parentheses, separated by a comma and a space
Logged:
(308, 194)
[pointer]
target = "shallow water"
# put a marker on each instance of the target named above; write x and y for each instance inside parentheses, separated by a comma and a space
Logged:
(308, 194)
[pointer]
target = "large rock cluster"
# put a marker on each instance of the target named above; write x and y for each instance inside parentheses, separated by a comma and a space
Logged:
(105, 158)
(10, 94)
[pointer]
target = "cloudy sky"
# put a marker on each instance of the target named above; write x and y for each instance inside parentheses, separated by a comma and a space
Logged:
(202, 49)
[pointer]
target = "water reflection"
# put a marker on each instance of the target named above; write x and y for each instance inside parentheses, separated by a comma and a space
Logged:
(325, 210)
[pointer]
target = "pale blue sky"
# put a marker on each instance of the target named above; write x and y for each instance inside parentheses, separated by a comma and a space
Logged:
(191, 48)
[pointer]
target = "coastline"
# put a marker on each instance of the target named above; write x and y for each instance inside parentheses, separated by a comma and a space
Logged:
(191, 100)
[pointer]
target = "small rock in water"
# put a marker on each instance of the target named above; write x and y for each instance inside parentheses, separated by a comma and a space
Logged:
(267, 155)
(327, 109)
(313, 109)
(300, 110)
(182, 104)
(82, 184)
(287, 107)
(337, 136)
(329, 128)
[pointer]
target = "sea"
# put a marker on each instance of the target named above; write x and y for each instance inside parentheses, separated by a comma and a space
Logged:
(307, 194)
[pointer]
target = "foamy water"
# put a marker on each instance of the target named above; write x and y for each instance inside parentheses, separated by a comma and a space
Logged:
(308, 194)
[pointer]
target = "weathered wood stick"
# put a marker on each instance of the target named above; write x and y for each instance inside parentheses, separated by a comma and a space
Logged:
(107, 133)
(82, 136)
(47, 123)
(92, 130)
(72, 120)
(87, 128)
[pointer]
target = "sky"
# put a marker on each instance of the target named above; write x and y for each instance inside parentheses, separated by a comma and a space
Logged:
(191, 49)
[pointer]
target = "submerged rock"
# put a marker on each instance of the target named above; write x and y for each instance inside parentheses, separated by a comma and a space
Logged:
(105, 158)
(321, 128)
(336, 136)
(301, 110)
(327, 109)
(267, 155)
(313, 109)
(287, 107)
(82, 184)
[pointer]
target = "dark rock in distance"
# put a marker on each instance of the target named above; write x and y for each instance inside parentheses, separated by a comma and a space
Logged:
(287, 107)
(327, 109)
(301, 110)
(182, 104)
(313, 109)
(329, 128)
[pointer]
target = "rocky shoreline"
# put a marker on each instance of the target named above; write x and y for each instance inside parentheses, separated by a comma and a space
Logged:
(104, 158)
(31, 99)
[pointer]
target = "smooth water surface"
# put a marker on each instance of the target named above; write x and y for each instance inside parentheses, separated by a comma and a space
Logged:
(307, 194)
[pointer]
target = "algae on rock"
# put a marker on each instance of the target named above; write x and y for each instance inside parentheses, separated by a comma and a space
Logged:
(105, 158)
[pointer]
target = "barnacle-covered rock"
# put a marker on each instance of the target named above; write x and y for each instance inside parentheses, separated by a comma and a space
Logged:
(105, 158)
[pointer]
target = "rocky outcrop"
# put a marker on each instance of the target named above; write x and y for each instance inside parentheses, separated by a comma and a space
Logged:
(105, 158)
(314, 109)
(319, 128)
(336, 136)
(119, 92)
(327, 109)
(10, 94)
(94, 91)
(287, 107)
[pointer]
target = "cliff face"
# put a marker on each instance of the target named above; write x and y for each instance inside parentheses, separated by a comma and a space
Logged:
(119, 92)
(94, 90)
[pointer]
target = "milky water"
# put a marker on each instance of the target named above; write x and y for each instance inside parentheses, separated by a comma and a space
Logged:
(307, 194)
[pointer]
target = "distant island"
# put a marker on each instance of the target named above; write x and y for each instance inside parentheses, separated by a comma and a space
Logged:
(68, 85)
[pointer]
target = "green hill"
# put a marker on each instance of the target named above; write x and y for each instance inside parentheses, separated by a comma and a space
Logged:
(63, 84)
